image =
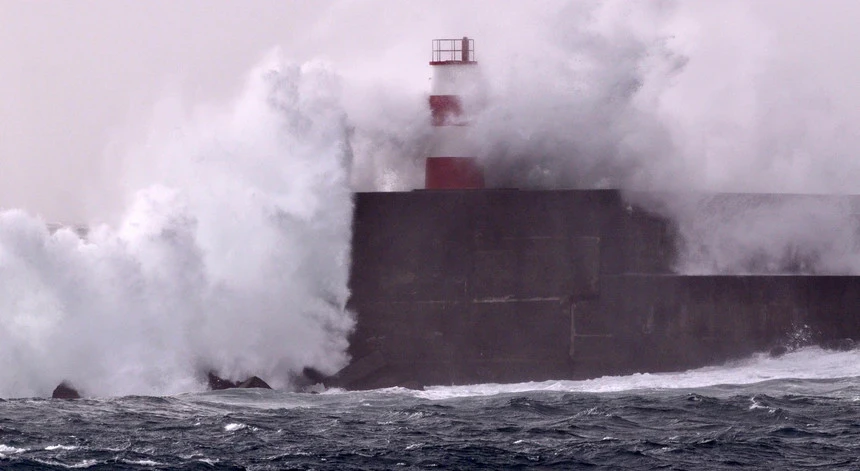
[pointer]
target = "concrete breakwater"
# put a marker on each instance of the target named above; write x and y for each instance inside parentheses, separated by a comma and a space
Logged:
(460, 287)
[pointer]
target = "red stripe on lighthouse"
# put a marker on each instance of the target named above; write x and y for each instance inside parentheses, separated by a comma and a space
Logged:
(445, 108)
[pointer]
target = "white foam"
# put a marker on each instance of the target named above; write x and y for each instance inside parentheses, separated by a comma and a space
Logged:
(143, 462)
(6, 449)
(755, 404)
(233, 427)
(61, 447)
(80, 465)
(806, 363)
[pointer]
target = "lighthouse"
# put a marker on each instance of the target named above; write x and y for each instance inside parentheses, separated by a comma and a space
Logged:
(452, 163)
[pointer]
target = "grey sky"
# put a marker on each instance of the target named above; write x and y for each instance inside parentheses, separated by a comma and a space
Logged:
(75, 75)
(74, 72)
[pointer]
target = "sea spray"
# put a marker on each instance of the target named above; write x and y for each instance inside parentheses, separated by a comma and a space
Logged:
(661, 100)
(765, 233)
(233, 256)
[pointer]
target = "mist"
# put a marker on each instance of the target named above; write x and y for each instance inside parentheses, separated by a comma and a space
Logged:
(734, 96)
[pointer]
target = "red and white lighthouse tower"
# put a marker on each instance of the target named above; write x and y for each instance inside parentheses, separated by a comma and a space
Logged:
(452, 163)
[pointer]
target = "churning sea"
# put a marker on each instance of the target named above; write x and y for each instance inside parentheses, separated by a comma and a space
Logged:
(798, 411)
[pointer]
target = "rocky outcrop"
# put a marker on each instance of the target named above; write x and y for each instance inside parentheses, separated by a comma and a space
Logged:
(65, 391)
(217, 383)
(253, 382)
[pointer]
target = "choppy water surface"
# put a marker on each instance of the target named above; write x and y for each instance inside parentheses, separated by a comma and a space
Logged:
(634, 422)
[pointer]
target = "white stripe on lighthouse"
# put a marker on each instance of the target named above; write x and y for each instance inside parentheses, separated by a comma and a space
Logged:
(451, 141)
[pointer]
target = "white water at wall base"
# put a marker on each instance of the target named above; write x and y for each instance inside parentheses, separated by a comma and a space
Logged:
(809, 363)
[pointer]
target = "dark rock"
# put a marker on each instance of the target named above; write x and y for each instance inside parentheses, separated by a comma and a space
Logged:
(217, 383)
(313, 375)
(253, 382)
(65, 391)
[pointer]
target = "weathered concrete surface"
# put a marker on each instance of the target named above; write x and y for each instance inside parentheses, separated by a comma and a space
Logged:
(661, 323)
(458, 287)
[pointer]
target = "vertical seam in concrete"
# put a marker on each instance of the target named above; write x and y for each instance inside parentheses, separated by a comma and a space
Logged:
(572, 350)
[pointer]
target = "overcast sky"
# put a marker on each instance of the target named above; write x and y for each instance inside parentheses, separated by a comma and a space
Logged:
(74, 75)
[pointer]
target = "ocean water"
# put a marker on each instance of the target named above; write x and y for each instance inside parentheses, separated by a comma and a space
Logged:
(799, 411)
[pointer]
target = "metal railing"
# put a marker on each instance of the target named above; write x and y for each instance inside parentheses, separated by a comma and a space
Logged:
(453, 50)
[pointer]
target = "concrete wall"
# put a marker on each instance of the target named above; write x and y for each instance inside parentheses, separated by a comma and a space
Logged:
(457, 287)
(663, 323)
